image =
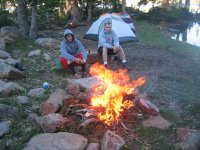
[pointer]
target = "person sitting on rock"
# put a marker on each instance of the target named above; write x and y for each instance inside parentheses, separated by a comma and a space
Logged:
(73, 54)
(108, 44)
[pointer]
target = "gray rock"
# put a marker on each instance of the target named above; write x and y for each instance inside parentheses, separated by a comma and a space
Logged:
(51, 122)
(7, 71)
(157, 122)
(4, 127)
(10, 34)
(188, 139)
(93, 146)
(2, 44)
(57, 141)
(148, 107)
(48, 42)
(7, 89)
(6, 111)
(4, 54)
(46, 57)
(22, 99)
(54, 101)
(11, 61)
(73, 88)
(34, 53)
(112, 141)
(86, 83)
(38, 92)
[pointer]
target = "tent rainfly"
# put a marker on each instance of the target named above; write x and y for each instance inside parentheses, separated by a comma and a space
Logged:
(121, 28)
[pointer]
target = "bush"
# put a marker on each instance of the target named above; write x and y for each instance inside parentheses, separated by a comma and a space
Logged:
(4, 21)
(166, 14)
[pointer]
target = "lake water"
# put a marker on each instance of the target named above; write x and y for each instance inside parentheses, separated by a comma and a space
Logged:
(190, 35)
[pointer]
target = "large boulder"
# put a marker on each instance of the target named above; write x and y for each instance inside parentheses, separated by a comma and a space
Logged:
(10, 34)
(48, 42)
(9, 72)
(6, 89)
(4, 54)
(51, 122)
(57, 141)
(54, 102)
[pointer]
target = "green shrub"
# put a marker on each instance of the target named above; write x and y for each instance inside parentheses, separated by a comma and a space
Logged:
(166, 14)
(4, 21)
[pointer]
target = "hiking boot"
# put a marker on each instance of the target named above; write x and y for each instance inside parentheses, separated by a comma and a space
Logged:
(106, 66)
(77, 76)
(125, 66)
(116, 58)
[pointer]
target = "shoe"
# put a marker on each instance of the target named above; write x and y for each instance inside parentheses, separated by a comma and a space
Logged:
(106, 66)
(116, 58)
(125, 66)
(84, 75)
(77, 76)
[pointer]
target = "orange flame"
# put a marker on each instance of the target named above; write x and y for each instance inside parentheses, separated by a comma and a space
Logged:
(108, 96)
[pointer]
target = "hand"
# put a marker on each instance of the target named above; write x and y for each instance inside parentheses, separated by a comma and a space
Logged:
(78, 60)
(83, 61)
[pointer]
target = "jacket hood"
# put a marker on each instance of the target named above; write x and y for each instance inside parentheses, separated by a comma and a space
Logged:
(67, 31)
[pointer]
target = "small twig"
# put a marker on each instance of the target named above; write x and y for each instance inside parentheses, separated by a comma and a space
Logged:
(86, 122)
(124, 126)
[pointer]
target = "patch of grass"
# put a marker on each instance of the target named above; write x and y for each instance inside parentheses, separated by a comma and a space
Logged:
(22, 44)
(152, 138)
(152, 35)
(168, 114)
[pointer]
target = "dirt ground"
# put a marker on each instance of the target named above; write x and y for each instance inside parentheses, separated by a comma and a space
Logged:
(170, 79)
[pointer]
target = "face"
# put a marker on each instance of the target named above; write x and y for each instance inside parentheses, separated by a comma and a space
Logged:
(69, 38)
(108, 27)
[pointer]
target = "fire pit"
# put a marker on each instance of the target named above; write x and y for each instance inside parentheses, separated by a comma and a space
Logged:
(109, 99)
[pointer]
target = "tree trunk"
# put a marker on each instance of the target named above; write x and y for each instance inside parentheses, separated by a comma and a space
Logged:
(33, 29)
(3, 4)
(89, 18)
(74, 11)
(123, 5)
(22, 18)
(180, 3)
(165, 3)
(187, 3)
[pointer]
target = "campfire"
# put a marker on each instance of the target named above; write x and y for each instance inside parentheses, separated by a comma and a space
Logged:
(110, 97)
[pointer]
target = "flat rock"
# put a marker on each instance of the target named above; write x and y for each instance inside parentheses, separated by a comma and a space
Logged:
(4, 54)
(57, 141)
(49, 123)
(157, 122)
(86, 83)
(4, 127)
(38, 92)
(6, 89)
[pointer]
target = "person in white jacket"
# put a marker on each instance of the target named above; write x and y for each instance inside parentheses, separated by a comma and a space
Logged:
(73, 53)
(108, 44)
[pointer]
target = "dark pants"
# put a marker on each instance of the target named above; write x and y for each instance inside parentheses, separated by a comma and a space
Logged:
(109, 51)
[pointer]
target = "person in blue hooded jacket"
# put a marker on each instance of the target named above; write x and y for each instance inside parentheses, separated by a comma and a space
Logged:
(108, 44)
(73, 53)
